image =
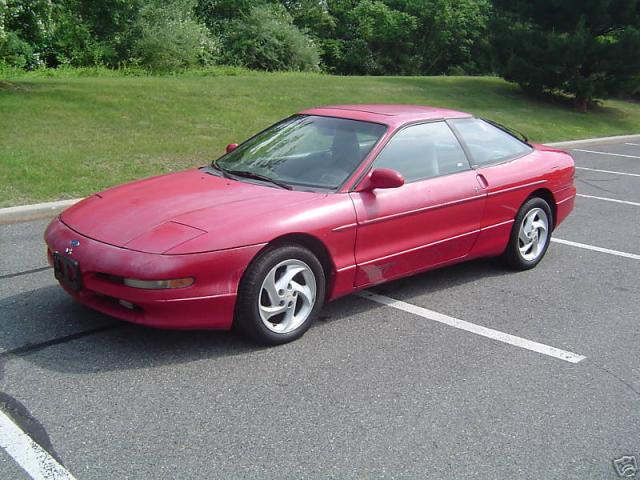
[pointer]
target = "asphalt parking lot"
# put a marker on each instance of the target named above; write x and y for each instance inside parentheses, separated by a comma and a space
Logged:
(371, 391)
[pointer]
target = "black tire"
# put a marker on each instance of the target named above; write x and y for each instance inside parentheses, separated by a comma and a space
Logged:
(512, 255)
(248, 317)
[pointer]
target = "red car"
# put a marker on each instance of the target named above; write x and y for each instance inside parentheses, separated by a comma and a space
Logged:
(317, 206)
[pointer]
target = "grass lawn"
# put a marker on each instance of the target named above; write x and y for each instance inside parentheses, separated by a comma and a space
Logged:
(64, 137)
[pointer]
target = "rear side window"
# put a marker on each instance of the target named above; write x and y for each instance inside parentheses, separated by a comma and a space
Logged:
(488, 144)
(423, 151)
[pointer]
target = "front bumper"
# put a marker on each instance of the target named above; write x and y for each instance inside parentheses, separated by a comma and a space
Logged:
(207, 304)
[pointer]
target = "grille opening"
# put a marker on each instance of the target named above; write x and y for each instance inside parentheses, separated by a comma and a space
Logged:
(132, 307)
(110, 278)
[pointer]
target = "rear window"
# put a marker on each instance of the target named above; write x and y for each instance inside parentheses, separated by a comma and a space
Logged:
(488, 144)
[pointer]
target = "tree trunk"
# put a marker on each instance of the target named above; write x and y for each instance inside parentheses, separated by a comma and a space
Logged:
(581, 104)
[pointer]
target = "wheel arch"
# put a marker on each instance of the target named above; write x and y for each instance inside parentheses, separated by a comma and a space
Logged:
(548, 197)
(315, 246)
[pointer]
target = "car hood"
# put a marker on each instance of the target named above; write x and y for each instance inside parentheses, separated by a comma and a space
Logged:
(159, 213)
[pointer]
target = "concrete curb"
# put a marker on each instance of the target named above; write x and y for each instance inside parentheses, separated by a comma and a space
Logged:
(595, 141)
(25, 213)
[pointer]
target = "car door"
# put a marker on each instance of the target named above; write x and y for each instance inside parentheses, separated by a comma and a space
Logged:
(508, 172)
(432, 219)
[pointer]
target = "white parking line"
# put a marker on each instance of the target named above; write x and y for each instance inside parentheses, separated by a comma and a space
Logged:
(633, 144)
(615, 200)
(606, 153)
(473, 328)
(597, 249)
(28, 454)
(608, 171)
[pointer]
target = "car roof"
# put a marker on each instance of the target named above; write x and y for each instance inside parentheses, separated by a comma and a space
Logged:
(388, 114)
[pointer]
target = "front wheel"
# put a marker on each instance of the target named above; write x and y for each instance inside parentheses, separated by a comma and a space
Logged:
(280, 295)
(530, 235)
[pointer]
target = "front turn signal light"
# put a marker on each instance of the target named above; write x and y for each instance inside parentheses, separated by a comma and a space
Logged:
(159, 284)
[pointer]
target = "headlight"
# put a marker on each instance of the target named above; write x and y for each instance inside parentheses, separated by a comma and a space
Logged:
(159, 284)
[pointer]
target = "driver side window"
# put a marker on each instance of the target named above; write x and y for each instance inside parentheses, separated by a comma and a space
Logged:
(423, 151)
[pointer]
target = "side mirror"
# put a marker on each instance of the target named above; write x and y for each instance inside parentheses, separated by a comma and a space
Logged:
(231, 147)
(381, 178)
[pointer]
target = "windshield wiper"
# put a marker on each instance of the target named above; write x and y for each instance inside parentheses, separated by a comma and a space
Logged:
(222, 171)
(257, 176)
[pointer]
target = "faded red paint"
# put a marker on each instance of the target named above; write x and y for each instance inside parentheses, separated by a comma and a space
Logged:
(191, 224)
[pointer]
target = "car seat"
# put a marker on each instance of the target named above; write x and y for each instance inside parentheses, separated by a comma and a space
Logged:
(345, 150)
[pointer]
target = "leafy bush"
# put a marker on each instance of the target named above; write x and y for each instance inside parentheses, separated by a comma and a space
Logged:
(15, 52)
(113, 25)
(24, 32)
(390, 37)
(383, 39)
(266, 39)
(170, 38)
(3, 15)
(72, 42)
(349, 36)
(216, 14)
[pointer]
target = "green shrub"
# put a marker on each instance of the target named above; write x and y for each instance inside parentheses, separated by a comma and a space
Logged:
(266, 39)
(15, 52)
(72, 42)
(3, 15)
(24, 32)
(170, 38)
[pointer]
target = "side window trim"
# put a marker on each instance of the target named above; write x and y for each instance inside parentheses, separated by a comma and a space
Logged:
(462, 143)
(415, 124)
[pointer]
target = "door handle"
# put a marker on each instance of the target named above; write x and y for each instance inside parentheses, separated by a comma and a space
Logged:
(482, 181)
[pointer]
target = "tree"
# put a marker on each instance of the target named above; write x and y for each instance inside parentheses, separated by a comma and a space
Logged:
(25, 32)
(588, 49)
(77, 32)
(415, 37)
(311, 16)
(216, 14)
(383, 40)
(371, 37)
(3, 15)
(266, 39)
(105, 30)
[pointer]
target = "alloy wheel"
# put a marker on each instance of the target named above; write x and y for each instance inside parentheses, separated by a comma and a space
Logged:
(287, 296)
(533, 234)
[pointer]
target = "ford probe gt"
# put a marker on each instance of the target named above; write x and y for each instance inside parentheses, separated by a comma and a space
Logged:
(321, 204)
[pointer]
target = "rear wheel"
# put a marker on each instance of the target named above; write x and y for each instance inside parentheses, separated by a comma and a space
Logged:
(530, 235)
(280, 295)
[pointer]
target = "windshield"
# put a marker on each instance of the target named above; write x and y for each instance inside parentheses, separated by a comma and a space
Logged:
(306, 150)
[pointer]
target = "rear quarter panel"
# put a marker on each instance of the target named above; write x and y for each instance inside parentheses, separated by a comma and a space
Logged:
(510, 184)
